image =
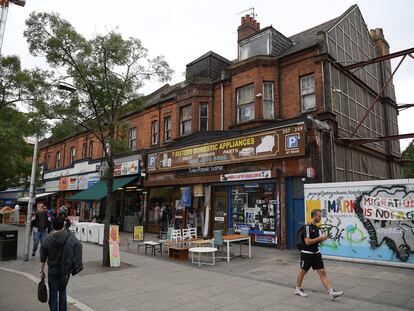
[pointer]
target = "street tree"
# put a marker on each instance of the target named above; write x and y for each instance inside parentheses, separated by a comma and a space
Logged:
(19, 89)
(99, 81)
(408, 155)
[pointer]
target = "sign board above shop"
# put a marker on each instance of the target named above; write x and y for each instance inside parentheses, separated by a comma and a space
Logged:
(276, 143)
(246, 176)
(126, 168)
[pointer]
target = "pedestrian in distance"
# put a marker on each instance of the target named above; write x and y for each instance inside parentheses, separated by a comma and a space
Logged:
(63, 254)
(40, 226)
(310, 256)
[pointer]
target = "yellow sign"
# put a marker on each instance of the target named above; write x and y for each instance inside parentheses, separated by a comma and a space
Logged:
(114, 233)
(138, 233)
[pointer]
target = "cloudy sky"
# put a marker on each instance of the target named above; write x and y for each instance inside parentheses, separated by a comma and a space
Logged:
(183, 30)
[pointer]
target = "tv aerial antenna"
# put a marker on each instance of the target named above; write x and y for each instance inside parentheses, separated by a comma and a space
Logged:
(250, 11)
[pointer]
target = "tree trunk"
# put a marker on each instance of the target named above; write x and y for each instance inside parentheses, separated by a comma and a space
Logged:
(108, 209)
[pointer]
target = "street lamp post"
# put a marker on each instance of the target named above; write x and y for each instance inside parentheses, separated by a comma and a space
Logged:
(31, 201)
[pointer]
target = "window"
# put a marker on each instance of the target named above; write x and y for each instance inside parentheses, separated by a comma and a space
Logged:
(72, 155)
(58, 159)
(203, 117)
(258, 45)
(91, 149)
(186, 115)
(84, 150)
(268, 104)
(132, 138)
(307, 90)
(48, 161)
(167, 128)
(245, 103)
(154, 132)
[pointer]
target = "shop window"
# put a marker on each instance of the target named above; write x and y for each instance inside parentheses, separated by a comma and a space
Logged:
(72, 155)
(186, 119)
(167, 128)
(203, 117)
(307, 89)
(268, 100)
(132, 138)
(84, 150)
(58, 159)
(245, 103)
(91, 149)
(254, 207)
(154, 132)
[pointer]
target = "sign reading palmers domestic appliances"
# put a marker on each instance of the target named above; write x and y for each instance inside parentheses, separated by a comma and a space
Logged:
(277, 143)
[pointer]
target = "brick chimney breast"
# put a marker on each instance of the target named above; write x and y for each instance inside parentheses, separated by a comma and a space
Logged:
(248, 27)
(383, 48)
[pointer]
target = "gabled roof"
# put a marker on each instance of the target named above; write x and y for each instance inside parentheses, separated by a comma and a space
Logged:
(208, 54)
(308, 38)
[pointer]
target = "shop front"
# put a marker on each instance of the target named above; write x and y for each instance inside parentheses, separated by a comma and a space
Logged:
(242, 180)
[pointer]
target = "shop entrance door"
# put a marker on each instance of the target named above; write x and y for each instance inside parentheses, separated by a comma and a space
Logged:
(220, 212)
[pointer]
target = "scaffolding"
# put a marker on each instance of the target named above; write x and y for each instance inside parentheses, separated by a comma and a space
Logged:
(4, 9)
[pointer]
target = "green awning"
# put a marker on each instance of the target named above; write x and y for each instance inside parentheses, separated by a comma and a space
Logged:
(98, 191)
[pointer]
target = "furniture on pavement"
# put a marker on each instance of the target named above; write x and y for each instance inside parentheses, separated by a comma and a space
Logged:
(153, 246)
(178, 252)
(203, 250)
(200, 243)
(236, 238)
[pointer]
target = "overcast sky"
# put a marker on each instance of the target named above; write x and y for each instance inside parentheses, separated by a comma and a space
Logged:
(184, 30)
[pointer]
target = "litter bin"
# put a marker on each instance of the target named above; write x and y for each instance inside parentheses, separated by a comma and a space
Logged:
(8, 243)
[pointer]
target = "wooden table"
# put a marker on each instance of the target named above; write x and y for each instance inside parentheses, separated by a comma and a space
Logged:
(199, 243)
(236, 238)
(178, 252)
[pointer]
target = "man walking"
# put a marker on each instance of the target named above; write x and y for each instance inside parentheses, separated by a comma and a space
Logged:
(40, 225)
(311, 257)
(52, 251)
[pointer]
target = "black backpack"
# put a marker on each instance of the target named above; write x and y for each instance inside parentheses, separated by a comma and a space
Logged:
(300, 238)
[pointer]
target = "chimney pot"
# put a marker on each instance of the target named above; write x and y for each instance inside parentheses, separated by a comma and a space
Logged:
(243, 20)
(258, 26)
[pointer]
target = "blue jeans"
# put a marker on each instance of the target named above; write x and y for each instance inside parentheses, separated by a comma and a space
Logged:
(53, 280)
(38, 237)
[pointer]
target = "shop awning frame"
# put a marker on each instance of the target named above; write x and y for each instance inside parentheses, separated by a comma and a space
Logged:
(99, 190)
(40, 195)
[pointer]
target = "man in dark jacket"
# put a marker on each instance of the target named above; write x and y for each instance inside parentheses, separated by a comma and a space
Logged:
(40, 226)
(52, 251)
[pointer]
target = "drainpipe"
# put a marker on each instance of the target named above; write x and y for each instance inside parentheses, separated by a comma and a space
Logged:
(222, 103)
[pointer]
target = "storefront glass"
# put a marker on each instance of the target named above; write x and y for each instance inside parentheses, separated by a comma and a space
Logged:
(255, 207)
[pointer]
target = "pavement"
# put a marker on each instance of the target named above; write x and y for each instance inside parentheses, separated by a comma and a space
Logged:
(264, 282)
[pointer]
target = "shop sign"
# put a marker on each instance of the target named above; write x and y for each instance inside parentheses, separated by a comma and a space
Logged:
(221, 219)
(63, 183)
(138, 233)
(278, 143)
(73, 183)
(82, 182)
(265, 239)
(126, 168)
(114, 258)
(52, 186)
(93, 179)
(246, 176)
(215, 169)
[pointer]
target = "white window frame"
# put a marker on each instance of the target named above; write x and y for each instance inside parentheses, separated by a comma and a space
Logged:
(247, 44)
(167, 129)
(72, 154)
(307, 93)
(132, 141)
(154, 132)
(187, 119)
(271, 100)
(57, 162)
(84, 150)
(248, 103)
(204, 117)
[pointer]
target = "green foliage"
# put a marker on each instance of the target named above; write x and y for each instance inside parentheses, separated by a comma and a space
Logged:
(408, 154)
(64, 129)
(106, 73)
(19, 90)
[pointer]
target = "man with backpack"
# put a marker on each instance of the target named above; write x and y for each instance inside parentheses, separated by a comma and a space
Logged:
(309, 236)
(63, 253)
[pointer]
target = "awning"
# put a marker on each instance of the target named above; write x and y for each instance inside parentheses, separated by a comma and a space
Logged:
(40, 195)
(98, 191)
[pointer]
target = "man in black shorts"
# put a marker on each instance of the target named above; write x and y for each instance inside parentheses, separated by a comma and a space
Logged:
(311, 257)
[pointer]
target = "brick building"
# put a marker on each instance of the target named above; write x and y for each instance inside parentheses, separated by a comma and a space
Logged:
(231, 146)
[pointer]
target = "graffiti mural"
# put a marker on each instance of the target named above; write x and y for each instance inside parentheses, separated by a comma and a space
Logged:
(371, 220)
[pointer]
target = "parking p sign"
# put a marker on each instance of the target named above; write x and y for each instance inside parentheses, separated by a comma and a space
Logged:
(292, 141)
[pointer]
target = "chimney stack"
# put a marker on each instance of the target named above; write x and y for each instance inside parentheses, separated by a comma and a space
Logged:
(383, 48)
(248, 27)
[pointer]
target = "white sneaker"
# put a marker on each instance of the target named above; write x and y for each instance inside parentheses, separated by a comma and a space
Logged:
(300, 292)
(333, 294)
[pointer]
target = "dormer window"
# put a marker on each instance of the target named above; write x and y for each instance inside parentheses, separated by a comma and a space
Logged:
(256, 45)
